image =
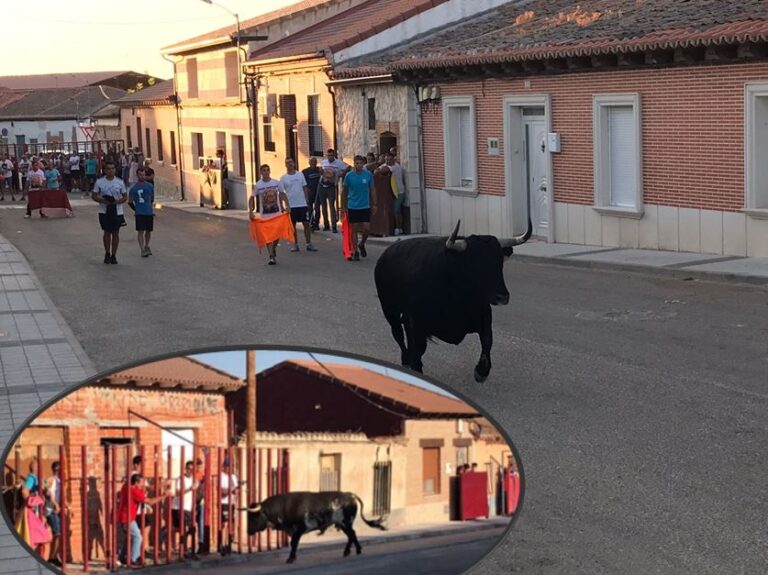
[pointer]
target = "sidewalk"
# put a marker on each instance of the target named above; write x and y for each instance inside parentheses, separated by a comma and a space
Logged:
(39, 358)
(683, 265)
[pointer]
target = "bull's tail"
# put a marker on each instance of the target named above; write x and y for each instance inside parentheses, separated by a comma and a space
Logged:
(376, 523)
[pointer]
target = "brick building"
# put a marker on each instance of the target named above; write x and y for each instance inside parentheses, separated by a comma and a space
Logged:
(172, 404)
(396, 445)
(626, 124)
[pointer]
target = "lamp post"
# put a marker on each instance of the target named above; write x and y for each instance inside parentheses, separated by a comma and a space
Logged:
(237, 19)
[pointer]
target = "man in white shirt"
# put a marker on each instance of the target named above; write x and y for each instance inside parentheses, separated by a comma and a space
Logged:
(183, 491)
(109, 191)
(7, 170)
(36, 183)
(296, 190)
(74, 170)
(229, 484)
(273, 202)
(340, 169)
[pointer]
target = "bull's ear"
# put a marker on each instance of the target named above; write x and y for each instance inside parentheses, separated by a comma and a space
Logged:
(507, 252)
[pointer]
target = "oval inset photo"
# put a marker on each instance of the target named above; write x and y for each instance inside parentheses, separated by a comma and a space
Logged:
(243, 460)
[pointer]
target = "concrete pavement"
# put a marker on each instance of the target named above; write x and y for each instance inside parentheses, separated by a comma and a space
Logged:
(751, 270)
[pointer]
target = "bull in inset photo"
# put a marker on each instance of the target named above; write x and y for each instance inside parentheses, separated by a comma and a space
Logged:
(304, 511)
(441, 288)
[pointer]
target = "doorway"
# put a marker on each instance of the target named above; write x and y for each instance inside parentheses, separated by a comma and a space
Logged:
(528, 165)
(387, 141)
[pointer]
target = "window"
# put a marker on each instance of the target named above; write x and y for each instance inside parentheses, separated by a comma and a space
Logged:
(232, 74)
(371, 113)
(197, 148)
(617, 149)
(382, 487)
(160, 153)
(270, 110)
(460, 143)
(330, 472)
(315, 127)
(192, 78)
(149, 143)
(138, 134)
(430, 470)
(238, 156)
(756, 168)
(128, 140)
(173, 148)
(462, 456)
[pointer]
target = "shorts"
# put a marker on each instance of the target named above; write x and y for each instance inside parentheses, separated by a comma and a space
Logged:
(111, 222)
(176, 517)
(144, 223)
(55, 522)
(360, 216)
(224, 512)
(398, 202)
(299, 214)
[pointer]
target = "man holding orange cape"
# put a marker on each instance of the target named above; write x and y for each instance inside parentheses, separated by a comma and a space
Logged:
(274, 222)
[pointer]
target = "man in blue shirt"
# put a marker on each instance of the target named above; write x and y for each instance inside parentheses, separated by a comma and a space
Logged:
(357, 198)
(141, 199)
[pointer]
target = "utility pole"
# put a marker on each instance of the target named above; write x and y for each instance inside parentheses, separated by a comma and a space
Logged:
(250, 399)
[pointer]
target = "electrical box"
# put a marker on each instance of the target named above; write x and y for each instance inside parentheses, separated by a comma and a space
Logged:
(553, 142)
(493, 146)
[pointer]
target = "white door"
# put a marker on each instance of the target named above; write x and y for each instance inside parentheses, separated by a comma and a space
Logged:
(175, 439)
(535, 135)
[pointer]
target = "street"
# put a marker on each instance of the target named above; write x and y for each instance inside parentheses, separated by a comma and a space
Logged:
(638, 403)
(447, 554)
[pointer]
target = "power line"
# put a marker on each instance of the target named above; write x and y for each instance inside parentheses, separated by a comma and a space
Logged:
(99, 23)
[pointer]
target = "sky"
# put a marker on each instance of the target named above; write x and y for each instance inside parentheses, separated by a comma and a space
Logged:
(106, 35)
(233, 362)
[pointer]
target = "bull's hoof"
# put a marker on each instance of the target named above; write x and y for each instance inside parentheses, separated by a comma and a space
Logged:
(346, 552)
(479, 377)
(359, 551)
(291, 559)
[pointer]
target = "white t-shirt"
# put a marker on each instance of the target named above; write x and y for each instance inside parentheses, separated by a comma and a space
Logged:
(337, 165)
(36, 179)
(269, 192)
(8, 165)
(398, 172)
(115, 188)
(74, 162)
(293, 185)
(183, 483)
(225, 484)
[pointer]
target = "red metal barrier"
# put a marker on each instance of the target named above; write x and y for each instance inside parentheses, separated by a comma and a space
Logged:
(64, 522)
(84, 504)
(511, 490)
(473, 495)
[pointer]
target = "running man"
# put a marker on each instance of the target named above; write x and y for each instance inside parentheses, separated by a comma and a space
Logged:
(357, 198)
(295, 187)
(273, 202)
(111, 194)
(141, 200)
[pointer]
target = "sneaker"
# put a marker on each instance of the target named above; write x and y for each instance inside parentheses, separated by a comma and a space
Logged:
(356, 257)
(144, 252)
(295, 248)
(362, 251)
(112, 260)
(106, 258)
(149, 251)
(327, 229)
(311, 248)
(398, 231)
(272, 261)
(27, 216)
(335, 231)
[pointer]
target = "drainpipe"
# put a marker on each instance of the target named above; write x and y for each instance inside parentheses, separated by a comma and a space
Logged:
(364, 125)
(335, 136)
(422, 175)
(180, 154)
(255, 142)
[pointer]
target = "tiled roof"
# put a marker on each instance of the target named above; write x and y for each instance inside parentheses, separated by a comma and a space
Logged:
(416, 401)
(545, 29)
(346, 28)
(64, 80)
(175, 373)
(157, 94)
(62, 103)
(224, 33)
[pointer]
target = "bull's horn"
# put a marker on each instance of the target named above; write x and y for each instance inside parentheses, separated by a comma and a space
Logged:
(452, 243)
(254, 507)
(516, 241)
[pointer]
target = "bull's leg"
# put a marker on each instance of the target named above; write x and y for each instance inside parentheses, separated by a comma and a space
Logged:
(396, 323)
(417, 345)
(483, 367)
(351, 539)
(295, 536)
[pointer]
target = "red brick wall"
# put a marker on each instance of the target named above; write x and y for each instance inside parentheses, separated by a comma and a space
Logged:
(692, 124)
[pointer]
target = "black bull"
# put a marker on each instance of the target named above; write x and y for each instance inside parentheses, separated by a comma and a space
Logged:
(303, 511)
(441, 288)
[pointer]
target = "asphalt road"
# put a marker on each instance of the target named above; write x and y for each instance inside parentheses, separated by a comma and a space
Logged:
(639, 404)
(443, 555)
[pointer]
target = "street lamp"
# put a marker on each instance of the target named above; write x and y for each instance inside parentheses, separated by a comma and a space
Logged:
(237, 19)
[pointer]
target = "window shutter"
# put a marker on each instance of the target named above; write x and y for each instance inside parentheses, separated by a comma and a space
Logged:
(622, 156)
(466, 174)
